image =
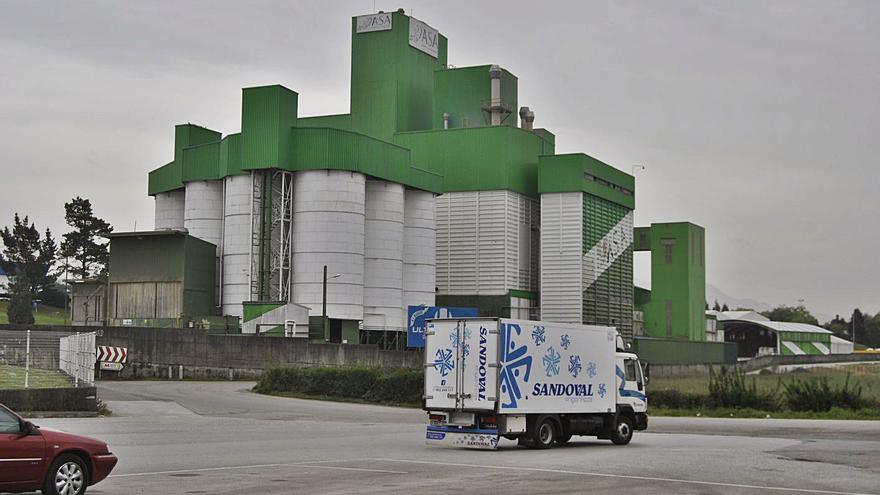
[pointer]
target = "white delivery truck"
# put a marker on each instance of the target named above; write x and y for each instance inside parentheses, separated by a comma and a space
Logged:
(538, 382)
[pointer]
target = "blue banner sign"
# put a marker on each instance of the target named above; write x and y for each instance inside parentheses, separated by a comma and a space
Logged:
(416, 316)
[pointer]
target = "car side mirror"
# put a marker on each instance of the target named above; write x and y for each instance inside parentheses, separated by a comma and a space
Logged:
(28, 428)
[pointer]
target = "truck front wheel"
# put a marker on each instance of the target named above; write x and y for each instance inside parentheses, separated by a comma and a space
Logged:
(544, 433)
(622, 432)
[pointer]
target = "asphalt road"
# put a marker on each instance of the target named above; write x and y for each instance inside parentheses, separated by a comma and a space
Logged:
(219, 438)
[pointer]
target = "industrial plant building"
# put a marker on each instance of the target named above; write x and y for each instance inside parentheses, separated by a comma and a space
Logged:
(435, 189)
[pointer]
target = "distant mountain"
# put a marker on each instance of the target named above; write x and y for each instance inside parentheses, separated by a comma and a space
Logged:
(714, 293)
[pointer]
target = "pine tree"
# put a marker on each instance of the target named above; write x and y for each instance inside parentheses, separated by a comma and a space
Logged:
(28, 257)
(725, 308)
(21, 310)
(857, 325)
(81, 245)
(716, 307)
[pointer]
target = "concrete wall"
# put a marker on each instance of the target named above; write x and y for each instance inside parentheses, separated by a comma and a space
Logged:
(160, 352)
(50, 399)
(44, 346)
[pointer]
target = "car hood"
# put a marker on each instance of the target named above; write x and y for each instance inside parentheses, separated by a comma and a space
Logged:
(65, 440)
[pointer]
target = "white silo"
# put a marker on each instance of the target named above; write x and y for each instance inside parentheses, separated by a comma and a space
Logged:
(169, 210)
(419, 243)
(328, 229)
(237, 244)
(383, 256)
(203, 211)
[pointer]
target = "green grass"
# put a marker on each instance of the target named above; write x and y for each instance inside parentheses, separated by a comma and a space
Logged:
(45, 315)
(867, 375)
(12, 377)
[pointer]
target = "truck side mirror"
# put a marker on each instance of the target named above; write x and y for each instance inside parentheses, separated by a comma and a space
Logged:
(647, 373)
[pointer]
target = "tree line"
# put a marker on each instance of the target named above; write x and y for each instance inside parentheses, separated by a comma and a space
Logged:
(34, 262)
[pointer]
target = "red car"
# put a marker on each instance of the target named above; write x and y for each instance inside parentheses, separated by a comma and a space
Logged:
(58, 463)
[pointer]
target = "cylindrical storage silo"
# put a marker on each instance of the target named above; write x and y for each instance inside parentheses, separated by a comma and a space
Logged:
(203, 217)
(169, 210)
(419, 244)
(236, 265)
(328, 229)
(203, 211)
(383, 256)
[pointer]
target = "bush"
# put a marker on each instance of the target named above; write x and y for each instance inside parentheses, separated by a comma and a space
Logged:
(731, 389)
(819, 395)
(382, 385)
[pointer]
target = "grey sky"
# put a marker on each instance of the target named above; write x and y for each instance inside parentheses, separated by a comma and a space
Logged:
(757, 120)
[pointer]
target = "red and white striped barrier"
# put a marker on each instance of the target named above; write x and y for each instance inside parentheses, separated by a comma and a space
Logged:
(109, 354)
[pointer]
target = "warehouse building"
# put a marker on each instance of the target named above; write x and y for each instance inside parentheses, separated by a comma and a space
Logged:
(756, 335)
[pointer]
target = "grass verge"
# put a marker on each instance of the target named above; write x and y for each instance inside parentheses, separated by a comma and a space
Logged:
(44, 315)
(12, 377)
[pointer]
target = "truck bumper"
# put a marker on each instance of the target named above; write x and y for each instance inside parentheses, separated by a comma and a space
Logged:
(468, 438)
(641, 421)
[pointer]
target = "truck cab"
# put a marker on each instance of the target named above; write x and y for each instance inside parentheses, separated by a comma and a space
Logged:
(632, 399)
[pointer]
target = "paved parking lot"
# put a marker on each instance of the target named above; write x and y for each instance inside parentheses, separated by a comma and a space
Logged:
(190, 437)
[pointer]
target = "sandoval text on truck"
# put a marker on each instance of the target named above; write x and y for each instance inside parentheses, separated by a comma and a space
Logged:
(538, 382)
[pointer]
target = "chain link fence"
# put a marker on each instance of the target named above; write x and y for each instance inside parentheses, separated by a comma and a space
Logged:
(77, 358)
(29, 359)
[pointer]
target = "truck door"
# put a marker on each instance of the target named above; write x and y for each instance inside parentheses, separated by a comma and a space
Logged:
(631, 385)
(479, 364)
(461, 364)
(442, 364)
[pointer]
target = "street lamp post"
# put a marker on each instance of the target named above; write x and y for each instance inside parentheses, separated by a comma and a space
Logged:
(324, 321)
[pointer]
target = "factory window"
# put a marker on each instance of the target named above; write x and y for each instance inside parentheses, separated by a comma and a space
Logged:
(667, 250)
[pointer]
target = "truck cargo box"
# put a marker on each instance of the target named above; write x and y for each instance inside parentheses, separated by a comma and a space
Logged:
(519, 366)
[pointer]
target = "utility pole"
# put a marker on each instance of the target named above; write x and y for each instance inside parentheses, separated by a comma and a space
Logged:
(325, 322)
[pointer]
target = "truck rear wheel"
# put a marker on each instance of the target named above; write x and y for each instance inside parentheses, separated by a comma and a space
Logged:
(622, 432)
(544, 432)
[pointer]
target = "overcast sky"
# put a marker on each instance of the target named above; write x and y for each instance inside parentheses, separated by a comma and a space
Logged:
(759, 121)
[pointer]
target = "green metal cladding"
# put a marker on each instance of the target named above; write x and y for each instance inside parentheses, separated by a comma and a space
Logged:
(478, 159)
(608, 300)
(677, 304)
(463, 92)
(579, 172)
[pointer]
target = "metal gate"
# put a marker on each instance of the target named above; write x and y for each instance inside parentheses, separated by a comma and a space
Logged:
(77, 357)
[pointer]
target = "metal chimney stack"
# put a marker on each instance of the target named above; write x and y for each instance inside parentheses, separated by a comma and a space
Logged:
(495, 95)
(527, 118)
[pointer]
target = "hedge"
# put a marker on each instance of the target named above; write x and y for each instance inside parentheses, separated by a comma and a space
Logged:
(381, 385)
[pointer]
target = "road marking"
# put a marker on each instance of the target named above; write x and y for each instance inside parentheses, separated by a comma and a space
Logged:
(315, 464)
(624, 476)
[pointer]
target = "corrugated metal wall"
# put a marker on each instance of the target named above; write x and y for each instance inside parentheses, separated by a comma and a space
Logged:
(561, 256)
(485, 243)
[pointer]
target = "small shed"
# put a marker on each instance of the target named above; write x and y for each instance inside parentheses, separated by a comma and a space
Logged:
(161, 278)
(841, 346)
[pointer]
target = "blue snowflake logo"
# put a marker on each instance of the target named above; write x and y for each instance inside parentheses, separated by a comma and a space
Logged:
(565, 341)
(574, 365)
(444, 362)
(602, 390)
(538, 336)
(551, 362)
(592, 369)
(455, 340)
(516, 365)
